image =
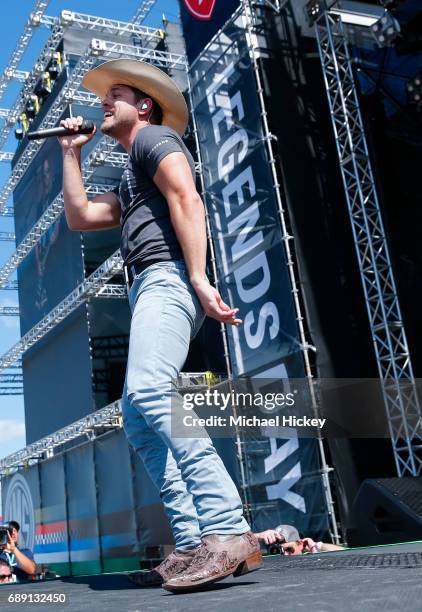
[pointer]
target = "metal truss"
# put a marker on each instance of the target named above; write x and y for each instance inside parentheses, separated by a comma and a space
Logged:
(9, 311)
(86, 290)
(29, 85)
(109, 417)
(86, 98)
(148, 36)
(9, 236)
(102, 154)
(11, 390)
(11, 378)
(143, 9)
(103, 25)
(19, 75)
(11, 383)
(6, 156)
(161, 59)
(89, 427)
(97, 49)
(55, 112)
(112, 291)
(17, 54)
(11, 286)
(50, 215)
(388, 333)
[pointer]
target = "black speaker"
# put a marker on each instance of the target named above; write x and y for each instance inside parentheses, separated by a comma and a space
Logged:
(388, 510)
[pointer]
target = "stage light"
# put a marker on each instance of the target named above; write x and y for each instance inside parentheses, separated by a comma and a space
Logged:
(386, 30)
(19, 133)
(414, 91)
(313, 10)
(24, 122)
(56, 65)
(43, 88)
(32, 106)
(53, 70)
(354, 18)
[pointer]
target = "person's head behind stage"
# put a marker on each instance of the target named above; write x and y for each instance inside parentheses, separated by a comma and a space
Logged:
(15, 527)
(6, 574)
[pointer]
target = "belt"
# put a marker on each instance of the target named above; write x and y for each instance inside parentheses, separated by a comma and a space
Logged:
(136, 267)
(133, 269)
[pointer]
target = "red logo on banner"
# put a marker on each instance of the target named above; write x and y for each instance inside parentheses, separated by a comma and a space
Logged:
(201, 9)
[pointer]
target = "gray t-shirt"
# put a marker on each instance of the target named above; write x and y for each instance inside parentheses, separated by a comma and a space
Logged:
(147, 234)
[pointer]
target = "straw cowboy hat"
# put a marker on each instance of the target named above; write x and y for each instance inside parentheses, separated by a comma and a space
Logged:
(147, 78)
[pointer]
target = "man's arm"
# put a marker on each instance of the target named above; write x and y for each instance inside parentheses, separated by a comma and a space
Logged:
(174, 179)
(26, 564)
(103, 211)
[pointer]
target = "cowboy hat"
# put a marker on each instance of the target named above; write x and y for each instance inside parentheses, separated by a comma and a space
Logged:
(146, 77)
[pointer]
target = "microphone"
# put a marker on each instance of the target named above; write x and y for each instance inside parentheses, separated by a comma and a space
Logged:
(87, 127)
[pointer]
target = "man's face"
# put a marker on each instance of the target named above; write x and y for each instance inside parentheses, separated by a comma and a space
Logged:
(120, 110)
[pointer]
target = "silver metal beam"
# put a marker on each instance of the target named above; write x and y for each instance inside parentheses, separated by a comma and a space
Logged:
(7, 236)
(161, 59)
(52, 213)
(6, 156)
(57, 108)
(29, 85)
(142, 11)
(97, 49)
(11, 390)
(89, 426)
(103, 25)
(18, 75)
(93, 23)
(110, 416)
(148, 36)
(17, 54)
(10, 286)
(11, 378)
(112, 291)
(385, 319)
(84, 291)
(9, 311)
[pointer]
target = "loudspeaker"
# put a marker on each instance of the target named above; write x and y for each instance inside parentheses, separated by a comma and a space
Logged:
(388, 510)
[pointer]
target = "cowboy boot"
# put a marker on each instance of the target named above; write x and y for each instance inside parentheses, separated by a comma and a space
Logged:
(176, 562)
(218, 557)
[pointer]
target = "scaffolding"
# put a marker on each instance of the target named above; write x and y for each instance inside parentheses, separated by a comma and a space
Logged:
(102, 154)
(24, 39)
(88, 427)
(391, 349)
(9, 311)
(148, 36)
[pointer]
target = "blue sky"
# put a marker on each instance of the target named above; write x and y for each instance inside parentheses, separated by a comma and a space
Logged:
(14, 17)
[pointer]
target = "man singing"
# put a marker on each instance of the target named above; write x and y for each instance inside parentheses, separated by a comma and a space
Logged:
(163, 244)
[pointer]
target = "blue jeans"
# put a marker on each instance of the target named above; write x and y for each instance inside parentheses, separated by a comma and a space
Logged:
(198, 494)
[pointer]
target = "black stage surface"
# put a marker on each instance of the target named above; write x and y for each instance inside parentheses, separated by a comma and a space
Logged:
(377, 578)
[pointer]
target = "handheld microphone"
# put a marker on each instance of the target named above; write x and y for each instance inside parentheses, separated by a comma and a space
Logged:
(87, 127)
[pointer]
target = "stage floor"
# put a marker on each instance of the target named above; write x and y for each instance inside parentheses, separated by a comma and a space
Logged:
(378, 578)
